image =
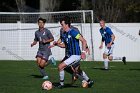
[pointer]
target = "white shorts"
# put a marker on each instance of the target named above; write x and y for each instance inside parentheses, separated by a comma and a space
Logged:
(109, 51)
(72, 59)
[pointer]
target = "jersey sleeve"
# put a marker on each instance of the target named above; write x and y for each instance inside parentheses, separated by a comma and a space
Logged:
(49, 34)
(75, 34)
(36, 39)
(108, 30)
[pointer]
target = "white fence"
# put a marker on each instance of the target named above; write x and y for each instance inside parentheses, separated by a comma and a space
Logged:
(15, 42)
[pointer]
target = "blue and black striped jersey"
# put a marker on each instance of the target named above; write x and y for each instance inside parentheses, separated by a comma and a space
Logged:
(71, 40)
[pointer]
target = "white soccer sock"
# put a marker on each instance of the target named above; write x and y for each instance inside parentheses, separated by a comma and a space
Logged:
(61, 74)
(117, 58)
(85, 77)
(49, 59)
(106, 63)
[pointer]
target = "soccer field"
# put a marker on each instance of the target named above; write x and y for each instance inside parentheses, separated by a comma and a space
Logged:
(24, 77)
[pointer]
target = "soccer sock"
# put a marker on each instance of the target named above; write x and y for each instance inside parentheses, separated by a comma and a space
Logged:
(106, 63)
(85, 77)
(42, 71)
(51, 60)
(61, 74)
(117, 58)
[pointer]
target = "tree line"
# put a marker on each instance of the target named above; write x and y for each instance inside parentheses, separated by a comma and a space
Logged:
(109, 10)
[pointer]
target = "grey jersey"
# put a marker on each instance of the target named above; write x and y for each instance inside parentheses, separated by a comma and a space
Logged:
(39, 36)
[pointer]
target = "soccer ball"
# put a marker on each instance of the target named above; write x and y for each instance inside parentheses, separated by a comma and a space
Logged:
(84, 84)
(47, 85)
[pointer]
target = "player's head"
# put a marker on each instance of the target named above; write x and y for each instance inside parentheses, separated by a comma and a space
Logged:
(65, 23)
(41, 22)
(102, 23)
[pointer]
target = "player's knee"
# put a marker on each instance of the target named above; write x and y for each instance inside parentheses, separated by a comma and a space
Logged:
(104, 56)
(110, 58)
(42, 65)
(59, 67)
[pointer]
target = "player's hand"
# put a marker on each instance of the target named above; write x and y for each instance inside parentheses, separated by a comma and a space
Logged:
(32, 45)
(51, 46)
(83, 55)
(44, 41)
(101, 46)
(55, 43)
(109, 45)
(87, 51)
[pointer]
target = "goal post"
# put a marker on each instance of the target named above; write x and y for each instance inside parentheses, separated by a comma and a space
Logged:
(17, 29)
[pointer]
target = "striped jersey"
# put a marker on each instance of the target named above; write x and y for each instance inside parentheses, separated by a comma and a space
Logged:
(71, 41)
(62, 36)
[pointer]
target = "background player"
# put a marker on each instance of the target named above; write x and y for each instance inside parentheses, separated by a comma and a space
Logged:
(44, 37)
(108, 37)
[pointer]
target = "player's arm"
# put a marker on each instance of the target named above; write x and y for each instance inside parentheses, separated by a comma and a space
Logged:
(62, 45)
(34, 43)
(101, 45)
(48, 41)
(84, 45)
(58, 43)
(113, 38)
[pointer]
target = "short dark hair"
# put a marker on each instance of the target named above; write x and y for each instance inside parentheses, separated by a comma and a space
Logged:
(42, 19)
(66, 19)
(102, 20)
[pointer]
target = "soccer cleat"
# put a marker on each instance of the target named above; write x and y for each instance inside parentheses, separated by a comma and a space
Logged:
(106, 69)
(53, 61)
(124, 60)
(45, 77)
(90, 84)
(60, 86)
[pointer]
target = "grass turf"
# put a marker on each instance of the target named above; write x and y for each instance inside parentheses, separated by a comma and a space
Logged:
(24, 77)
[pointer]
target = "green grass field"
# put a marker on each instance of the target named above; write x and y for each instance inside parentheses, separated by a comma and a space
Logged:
(24, 77)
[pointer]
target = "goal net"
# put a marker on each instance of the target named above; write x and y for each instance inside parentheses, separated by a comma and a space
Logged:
(17, 32)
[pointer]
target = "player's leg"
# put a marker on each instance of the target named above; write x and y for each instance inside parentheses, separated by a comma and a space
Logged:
(44, 62)
(61, 73)
(83, 76)
(68, 68)
(64, 64)
(111, 57)
(42, 65)
(51, 60)
(39, 58)
(105, 55)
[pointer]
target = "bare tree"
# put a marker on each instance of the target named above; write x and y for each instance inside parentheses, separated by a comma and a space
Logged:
(21, 7)
(48, 6)
(110, 10)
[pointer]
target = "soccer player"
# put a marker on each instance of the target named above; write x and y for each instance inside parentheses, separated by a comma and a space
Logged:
(108, 37)
(70, 40)
(44, 37)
